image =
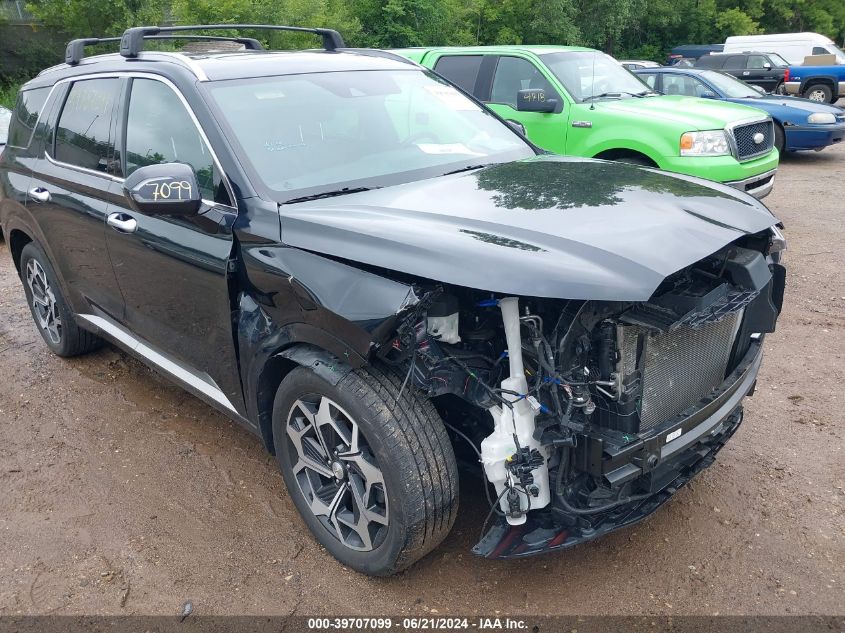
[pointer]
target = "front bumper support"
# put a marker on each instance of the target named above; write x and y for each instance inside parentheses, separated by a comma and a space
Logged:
(702, 434)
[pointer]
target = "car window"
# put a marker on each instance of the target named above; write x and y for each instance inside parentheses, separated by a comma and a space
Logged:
(710, 61)
(461, 70)
(650, 79)
(820, 50)
(159, 129)
(310, 133)
(734, 61)
(514, 74)
(82, 134)
(5, 120)
(682, 85)
(756, 62)
(25, 117)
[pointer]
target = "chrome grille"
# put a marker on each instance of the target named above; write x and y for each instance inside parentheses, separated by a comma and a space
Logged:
(744, 143)
(679, 367)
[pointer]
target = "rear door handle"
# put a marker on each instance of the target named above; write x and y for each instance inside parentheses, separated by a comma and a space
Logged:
(39, 194)
(122, 222)
(745, 72)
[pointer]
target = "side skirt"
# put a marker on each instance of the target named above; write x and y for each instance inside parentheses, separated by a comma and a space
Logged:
(199, 384)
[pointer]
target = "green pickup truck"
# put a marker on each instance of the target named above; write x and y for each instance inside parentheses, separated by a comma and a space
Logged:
(579, 101)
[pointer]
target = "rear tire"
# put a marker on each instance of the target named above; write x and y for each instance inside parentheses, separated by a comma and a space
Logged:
(376, 483)
(822, 93)
(780, 89)
(50, 311)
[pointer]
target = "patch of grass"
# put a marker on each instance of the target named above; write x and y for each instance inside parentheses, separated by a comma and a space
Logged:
(8, 94)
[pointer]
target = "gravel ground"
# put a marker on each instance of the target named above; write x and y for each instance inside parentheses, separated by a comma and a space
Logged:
(120, 493)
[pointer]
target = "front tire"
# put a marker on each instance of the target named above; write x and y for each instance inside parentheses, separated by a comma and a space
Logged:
(780, 139)
(50, 310)
(377, 484)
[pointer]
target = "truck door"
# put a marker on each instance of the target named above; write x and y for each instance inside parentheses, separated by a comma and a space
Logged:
(506, 77)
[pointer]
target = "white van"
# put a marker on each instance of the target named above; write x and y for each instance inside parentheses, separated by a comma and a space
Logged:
(793, 47)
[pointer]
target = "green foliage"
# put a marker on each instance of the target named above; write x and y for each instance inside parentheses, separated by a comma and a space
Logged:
(8, 94)
(645, 29)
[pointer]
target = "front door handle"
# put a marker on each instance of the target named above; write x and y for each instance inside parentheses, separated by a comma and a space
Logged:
(39, 194)
(122, 222)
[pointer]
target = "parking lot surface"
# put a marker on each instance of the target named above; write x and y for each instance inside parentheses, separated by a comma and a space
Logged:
(121, 494)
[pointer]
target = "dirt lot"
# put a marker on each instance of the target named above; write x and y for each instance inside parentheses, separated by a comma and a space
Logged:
(120, 493)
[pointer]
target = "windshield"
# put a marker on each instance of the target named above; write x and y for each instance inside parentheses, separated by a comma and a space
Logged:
(5, 120)
(777, 60)
(328, 132)
(590, 75)
(732, 87)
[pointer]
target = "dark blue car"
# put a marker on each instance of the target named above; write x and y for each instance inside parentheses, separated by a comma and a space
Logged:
(799, 124)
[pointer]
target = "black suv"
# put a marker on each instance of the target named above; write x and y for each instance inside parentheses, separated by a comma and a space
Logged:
(765, 70)
(380, 278)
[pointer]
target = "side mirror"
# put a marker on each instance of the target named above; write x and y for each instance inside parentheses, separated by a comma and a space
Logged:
(767, 66)
(169, 189)
(516, 126)
(534, 100)
(762, 91)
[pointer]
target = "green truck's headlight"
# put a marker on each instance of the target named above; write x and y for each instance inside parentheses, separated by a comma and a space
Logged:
(710, 143)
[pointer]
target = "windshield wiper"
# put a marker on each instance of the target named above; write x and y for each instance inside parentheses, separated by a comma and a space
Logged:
(467, 168)
(611, 94)
(330, 194)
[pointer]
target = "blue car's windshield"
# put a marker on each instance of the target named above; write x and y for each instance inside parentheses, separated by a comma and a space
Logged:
(730, 86)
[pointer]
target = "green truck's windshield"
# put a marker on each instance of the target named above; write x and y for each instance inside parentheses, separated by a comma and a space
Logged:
(332, 132)
(592, 75)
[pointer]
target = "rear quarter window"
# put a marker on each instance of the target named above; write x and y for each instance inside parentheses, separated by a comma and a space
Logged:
(710, 61)
(25, 116)
(461, 70)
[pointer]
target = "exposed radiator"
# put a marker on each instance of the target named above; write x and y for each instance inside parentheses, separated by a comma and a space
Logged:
(678, 368)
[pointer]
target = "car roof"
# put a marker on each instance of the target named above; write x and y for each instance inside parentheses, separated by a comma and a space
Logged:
(218, 66)
(544, 49)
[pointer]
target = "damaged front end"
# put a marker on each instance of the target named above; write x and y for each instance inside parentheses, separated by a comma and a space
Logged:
(587, 415)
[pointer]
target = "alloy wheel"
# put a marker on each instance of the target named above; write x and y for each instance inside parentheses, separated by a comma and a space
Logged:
(44, 301)
(337, 473)
(817, 95)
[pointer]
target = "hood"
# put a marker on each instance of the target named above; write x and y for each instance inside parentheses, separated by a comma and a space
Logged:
(691, 113)
(805, 105)
(548, 226)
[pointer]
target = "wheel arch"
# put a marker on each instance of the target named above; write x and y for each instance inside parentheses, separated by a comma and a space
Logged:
(278, 366)
(18, 239)
(624, 152)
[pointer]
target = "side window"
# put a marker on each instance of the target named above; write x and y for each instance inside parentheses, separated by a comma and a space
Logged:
(756, 62)
(25, 117)
(461, 70)
(160, 130)
(514, 74)
(650, 79)
(680, 85)
(82, 134)
(734, 62)
(820, 50)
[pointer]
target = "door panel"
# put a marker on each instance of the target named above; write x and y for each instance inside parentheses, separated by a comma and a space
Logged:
(173, 270)
(70, 199)
(757, 74)
(546, 129)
